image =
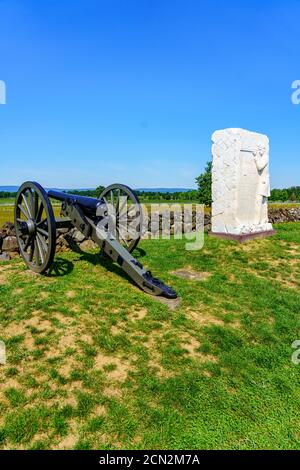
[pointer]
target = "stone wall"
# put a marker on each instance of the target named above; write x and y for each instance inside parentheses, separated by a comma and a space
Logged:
(70, 239)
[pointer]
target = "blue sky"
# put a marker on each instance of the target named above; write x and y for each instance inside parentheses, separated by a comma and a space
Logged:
(103, 91)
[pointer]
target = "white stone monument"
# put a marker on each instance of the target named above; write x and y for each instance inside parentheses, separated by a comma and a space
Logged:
(240, 184)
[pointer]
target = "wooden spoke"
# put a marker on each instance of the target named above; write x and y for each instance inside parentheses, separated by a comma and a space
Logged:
(27, 206)
(31, 204)
(42, 242)
(41, 222)
(40, 250)
(123, 204)
(39, 212)
(24, 211)
(118, 201)
(42, 232)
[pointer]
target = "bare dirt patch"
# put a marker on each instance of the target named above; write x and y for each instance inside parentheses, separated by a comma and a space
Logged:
(191, 345)
(68, 442)
(119, 367)
(100, 411)
(156, 357)
(86, 338)
(37, 322)
(63, 319)
(138, 314)
(191, 275)
(17, 291)
(68, 366)
(44, 295)
(29, 342)
(112, 392)
(71, 294)
(203, 317)
(68, 340)
(117, 329)
(160, 371)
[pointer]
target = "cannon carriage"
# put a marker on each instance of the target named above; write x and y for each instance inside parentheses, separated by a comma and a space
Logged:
(114, 222)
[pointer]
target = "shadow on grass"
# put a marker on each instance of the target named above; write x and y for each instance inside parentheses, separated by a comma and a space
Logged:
(60, 267)
(107, 263)
(100, 258)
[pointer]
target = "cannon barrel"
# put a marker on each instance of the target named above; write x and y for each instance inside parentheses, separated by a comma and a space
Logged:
(89, 204)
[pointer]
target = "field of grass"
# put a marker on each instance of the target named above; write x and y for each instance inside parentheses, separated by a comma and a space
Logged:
(7, 209)
(94, 363)
(284, 205)
(7, 213)
(7, 201)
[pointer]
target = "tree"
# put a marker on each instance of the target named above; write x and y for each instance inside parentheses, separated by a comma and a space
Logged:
(99, 190)
(204, 185)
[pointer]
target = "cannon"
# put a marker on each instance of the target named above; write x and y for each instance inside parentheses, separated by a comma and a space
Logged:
(114, 222)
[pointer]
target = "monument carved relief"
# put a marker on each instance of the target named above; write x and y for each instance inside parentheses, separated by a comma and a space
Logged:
(240, 182)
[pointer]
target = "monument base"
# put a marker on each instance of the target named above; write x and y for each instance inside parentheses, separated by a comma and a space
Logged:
(243, 237)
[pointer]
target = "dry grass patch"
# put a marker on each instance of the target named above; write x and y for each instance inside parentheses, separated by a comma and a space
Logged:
(112, 392)
(190, 274)
(138, 314)
(155, 356)
(70, 294)
(67, 442)
(17, 291)
(191, 345)
(203, 317)
(117, 329)
(63, 319)
(67, 341)
(86, 338)
(116, 368)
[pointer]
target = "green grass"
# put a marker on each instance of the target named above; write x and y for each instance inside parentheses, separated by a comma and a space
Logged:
(94, 363)
(7, 212)
(284, 205)
(7, 201)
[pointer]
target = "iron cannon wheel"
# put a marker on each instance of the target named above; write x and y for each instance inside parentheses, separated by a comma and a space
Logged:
(128, 212)
(35, 227)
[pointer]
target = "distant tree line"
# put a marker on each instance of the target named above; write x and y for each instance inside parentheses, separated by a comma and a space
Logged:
(287, 194)
(6, 194)
(146, 196)
(149, 196)
(87, 192)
